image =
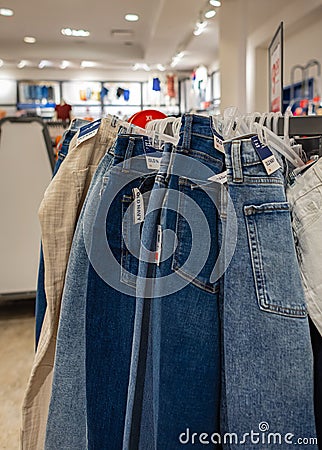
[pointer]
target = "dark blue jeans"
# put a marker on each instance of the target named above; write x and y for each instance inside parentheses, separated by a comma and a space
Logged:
(110, 303)
(182, 369)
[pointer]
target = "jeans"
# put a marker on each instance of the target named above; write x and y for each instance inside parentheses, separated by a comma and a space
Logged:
(268, 372)
(305, 198)
(41, 302)
(182, 374)
(139, 414)
(66, 425)
(110, 303)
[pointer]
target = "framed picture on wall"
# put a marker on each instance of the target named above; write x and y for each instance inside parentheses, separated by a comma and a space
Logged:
(275, 64)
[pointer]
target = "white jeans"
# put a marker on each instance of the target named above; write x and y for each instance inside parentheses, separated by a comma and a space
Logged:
(305, 199)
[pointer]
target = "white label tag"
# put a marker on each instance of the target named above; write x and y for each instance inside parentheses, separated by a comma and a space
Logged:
(152, 162)
(271, 165)
(88, 131)
(219, 178)
(158, 246)
(218, 143)
(138, 206)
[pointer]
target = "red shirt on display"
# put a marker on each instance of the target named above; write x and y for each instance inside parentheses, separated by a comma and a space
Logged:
(63, 111)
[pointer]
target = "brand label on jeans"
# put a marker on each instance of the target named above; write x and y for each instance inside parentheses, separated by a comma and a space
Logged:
(268, 159)
(138, 206)
(219, 142)
(152, 162)
(88, 131)
(158, 246)
(219, 178)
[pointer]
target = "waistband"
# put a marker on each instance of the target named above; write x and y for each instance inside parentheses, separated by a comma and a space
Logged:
(244, 164)
(305, 183)
(135, 152)
(196, 138)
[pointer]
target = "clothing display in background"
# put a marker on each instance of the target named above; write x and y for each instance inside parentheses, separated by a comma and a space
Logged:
(38, 92)
(103, 93)
(156, 84)
(171, 92)
(160, 339)
(126, 95)
(119, 92)
(63, 111)
(58, 221)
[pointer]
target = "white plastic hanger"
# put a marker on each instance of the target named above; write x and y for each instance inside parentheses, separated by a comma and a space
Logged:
(279, 145)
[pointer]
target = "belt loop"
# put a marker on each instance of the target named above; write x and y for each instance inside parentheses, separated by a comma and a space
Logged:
(128, 154)
(187, 130)
(236, 162)
(104, 130)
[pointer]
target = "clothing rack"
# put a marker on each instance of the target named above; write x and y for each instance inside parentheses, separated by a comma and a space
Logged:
(301, 126)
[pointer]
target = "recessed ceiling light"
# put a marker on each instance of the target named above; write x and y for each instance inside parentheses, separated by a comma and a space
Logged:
(88, 64)
(43, 63)
(200, 28)
(64, 64)
(215, 3)
(6, 12)
(210, 13)
(22, 64)
(29, 39)
(75, 33)
(131, 17)
(1, 62)
(161, 67)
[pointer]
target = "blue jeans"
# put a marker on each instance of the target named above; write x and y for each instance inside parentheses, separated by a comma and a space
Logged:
(66, 426)
(110, 303)
(268, 376)
(182, 370)
(41, 303)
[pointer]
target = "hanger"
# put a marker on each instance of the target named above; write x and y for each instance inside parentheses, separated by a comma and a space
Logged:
(278, 144)
(154, 135)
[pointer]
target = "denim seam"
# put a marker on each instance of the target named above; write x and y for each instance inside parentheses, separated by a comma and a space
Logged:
(126, 276)
(177, 256)
(198, 155)
(194, 280)
(237, 164)
(256, 180)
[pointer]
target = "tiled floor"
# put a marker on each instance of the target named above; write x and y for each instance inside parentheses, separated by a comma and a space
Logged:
(16, 355)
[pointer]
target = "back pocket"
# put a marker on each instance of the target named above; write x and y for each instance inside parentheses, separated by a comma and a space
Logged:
(275, 268)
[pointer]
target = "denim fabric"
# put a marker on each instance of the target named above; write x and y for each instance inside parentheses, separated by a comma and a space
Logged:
(139, 396)
(267, 350)
(110, 308)
(66, 426)
(41, 302)
(316, 340)
(182, 387)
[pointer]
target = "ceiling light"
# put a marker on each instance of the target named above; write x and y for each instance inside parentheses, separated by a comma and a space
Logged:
(75, 33)
(85, 64)
(161, 67)
(131, 17)
(64, 64)
(43, 63)
(210, 13)
(141, 66)
(200, 28)
(29, 39)
(6, 12)
(22, 64)
(1, 62)
(177, 58)
(216, 3)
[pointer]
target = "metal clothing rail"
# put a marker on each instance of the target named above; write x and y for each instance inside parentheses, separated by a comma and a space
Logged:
(301, 126)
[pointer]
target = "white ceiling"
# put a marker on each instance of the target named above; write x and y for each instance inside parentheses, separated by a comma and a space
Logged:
(165, 27)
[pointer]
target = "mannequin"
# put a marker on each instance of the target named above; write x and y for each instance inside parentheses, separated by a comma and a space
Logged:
(63, 112)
